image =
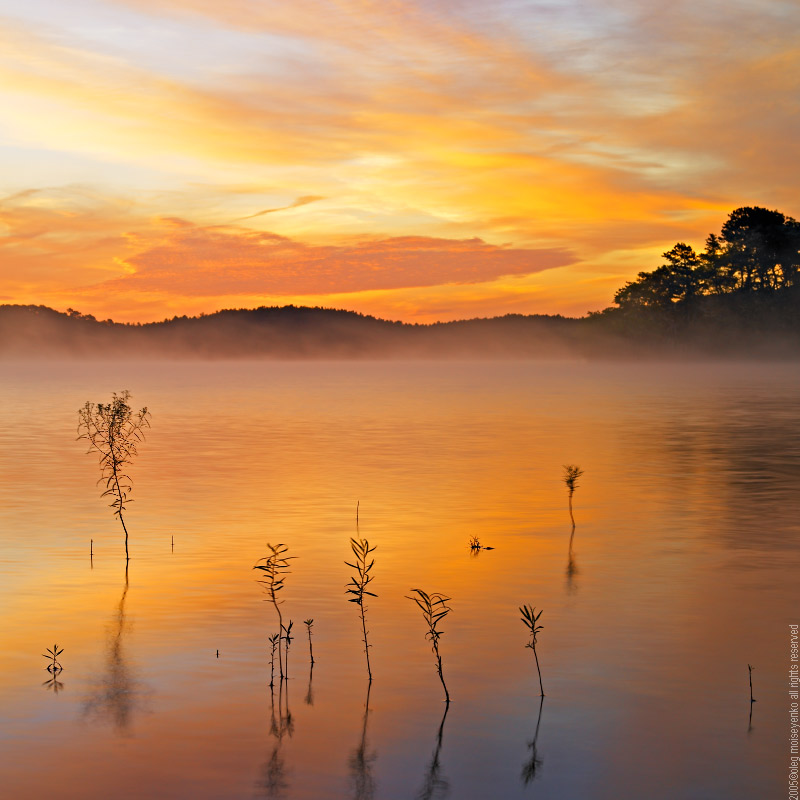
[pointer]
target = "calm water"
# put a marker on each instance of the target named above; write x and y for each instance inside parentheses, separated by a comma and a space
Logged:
(683, 571)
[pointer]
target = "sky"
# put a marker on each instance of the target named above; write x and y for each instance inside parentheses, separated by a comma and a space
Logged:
(418, 160)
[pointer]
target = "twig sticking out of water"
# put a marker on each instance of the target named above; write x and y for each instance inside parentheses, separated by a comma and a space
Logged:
(52, 653)
(274, 642)
(571, 474)
(358, 585)
(114, 431)
(275, 567)
(434, 608)
(309, 623)
(530, 618)
(288, 638)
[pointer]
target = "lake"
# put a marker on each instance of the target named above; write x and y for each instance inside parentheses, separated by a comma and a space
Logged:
(681, 572)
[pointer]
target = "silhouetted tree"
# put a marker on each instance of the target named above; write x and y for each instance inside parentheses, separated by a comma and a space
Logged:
(757, 251)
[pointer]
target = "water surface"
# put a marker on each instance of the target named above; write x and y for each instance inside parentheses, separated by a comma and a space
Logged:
(682, 572)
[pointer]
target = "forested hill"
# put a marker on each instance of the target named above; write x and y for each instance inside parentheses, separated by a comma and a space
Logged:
(738, 298)
(287, 332)
(316, 333)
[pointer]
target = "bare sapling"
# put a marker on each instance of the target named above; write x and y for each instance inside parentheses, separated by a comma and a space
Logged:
(275, 568)
(357, 587)
(434, 608)
(531, 618)
(114, 431)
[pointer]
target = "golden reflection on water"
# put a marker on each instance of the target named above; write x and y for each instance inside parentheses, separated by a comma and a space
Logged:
(677, 573)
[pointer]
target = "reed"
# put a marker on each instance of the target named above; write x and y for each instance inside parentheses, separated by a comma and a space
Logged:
(275, 568)
(434, 609)
(358, 586)
(114, 431)
(531, 619)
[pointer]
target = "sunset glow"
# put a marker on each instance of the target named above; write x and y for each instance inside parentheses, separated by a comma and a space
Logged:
(418, 161)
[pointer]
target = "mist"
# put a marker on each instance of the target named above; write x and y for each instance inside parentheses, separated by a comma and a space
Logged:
(297, 333)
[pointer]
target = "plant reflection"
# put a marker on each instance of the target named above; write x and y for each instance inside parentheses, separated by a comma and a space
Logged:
(54, 685)
(117, 693)
(531, 767)
(435, 784)
(361, 761)
(572, 566)
(309, 698)
(273, 782)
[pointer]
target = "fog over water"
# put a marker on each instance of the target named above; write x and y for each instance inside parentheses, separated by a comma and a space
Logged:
(681, 573)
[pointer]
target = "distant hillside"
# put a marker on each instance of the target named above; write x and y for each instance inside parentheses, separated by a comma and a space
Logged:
(292, 332)
(287, 332)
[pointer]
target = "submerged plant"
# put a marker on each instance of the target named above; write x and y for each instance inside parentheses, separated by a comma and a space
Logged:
(114, 431)
(434, 608)
(275, 567)
(52, 653)
(571, 474)
(358, 585)
(531, 618)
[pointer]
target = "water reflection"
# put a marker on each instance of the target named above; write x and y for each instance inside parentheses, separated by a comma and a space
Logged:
(531, 767)
(117, 693)
(309, 698)
(435, 784)
(53, 685)
(361, 761)
(572, 566)
(274, 782)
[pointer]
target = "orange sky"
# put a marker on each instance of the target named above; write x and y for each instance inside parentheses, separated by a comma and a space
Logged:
(415, 160)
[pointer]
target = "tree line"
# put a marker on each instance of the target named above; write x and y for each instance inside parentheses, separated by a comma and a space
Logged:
(756, 253)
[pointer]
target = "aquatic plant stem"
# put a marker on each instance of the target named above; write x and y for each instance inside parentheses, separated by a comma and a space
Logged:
(536, 657)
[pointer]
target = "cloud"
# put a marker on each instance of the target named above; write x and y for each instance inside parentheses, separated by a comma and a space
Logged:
(301, 201)
(435, 129)
(198, 261)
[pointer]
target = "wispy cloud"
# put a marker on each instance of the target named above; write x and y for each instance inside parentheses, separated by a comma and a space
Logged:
(301, 201)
